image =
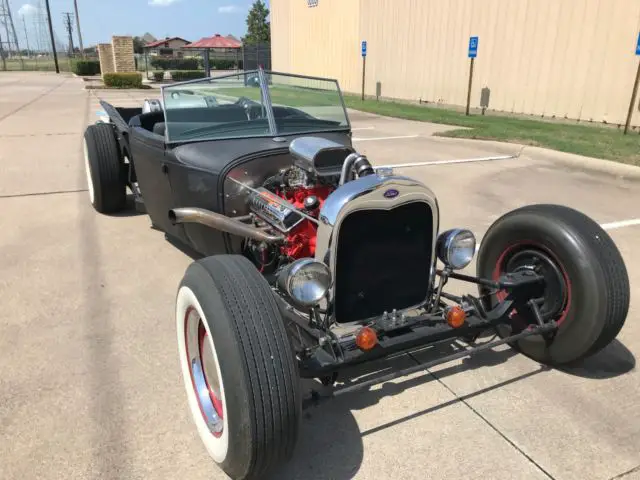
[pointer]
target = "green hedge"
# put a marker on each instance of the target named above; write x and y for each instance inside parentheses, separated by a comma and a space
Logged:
(158, 76)
(182, 75)
(123, 80)
(219, 64)
(174, 63)
(86, 67)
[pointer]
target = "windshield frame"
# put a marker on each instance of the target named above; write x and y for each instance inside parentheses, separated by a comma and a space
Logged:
(267, 105)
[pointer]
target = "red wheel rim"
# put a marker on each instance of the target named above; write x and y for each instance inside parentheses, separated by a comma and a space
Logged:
(203, 371)
(510, 252)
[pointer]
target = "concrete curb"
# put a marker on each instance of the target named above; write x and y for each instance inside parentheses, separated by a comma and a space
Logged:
(601, 165)
(609, 167)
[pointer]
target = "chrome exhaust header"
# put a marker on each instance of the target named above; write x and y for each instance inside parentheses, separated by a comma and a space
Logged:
(222, 223)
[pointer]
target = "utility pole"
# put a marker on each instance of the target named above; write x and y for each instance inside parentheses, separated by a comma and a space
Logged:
(69, 27)
(75, 5)
(26, 36)
(4, 62)
(53, 40)
(7, 19)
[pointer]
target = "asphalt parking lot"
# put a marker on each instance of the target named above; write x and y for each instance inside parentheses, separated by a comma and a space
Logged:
(90, 385)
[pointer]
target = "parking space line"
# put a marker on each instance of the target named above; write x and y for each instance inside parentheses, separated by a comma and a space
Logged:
(383, 138)
(621, 224)
(362, 128)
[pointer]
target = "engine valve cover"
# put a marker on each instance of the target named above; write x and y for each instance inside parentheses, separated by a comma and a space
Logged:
(274, 211)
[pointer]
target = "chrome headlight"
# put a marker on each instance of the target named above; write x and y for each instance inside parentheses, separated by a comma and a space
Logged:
(306, 281)
(456, 248)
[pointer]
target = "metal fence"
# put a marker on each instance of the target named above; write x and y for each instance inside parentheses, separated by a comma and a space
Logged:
(41, 62)
(256, 55)
(246, 58)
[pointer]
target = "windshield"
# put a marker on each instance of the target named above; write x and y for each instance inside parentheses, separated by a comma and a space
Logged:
(235, 106)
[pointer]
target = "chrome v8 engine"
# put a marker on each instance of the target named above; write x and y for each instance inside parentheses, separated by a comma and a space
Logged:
(273, 211)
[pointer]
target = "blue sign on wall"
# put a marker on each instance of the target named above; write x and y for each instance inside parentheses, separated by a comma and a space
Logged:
(364, 48)
(638, 46)
(473, 47)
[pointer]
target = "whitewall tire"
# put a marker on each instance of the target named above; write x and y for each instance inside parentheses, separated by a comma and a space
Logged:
(104, 169)
(238, 367)
(189, 315)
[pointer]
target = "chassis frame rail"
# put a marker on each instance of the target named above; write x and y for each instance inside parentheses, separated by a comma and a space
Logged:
(334, 392)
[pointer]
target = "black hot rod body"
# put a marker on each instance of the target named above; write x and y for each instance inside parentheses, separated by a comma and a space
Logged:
(313, 259)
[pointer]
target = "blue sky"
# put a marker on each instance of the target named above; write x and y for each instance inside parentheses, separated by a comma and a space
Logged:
(99, 19)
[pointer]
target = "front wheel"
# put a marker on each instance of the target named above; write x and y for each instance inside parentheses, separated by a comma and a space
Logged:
(238, 367)
(587, 285)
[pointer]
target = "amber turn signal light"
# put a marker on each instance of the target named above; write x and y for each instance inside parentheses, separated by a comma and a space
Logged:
(366, 338)
(456, 317)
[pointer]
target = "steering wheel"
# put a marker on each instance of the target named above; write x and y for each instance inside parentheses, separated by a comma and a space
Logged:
(247, 104)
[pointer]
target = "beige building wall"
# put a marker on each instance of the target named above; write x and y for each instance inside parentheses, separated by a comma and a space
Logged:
(564, 58)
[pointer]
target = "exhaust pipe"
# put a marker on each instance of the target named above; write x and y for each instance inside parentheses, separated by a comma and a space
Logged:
(222, 223)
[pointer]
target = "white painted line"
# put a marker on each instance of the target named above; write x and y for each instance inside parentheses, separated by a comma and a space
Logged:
(448, 162)
(383, 138)
(362, 128)
(620, 224)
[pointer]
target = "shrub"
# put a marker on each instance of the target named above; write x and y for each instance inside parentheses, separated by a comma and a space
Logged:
(182, 75)
(86, 67)
(174, 63)
(123, 80)
(219, 64)
(223, 64)
(158, 62)
(158, 76)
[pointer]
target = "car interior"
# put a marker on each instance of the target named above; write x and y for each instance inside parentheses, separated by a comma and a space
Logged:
(190, 118)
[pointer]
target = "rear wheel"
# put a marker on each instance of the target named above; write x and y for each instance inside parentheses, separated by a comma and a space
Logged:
(587, 290)
(238, 367)
(106, 177)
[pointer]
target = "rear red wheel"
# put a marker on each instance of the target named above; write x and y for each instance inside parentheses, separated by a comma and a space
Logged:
(587, 286)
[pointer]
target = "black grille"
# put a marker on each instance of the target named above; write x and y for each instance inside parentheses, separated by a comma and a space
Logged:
(383, 261)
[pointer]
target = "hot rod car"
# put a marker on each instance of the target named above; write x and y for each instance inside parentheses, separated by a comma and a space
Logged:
(313, 259)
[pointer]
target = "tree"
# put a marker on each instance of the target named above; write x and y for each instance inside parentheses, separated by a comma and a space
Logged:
(258, 28)
(138, 45)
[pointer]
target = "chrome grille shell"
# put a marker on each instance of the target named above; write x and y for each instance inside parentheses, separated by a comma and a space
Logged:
(368, 193)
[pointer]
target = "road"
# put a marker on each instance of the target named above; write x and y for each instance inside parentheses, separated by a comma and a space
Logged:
(90, 384)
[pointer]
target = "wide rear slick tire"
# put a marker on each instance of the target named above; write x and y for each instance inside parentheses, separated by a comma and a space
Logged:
(239, 370)
(587, 289)
(106, 175)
